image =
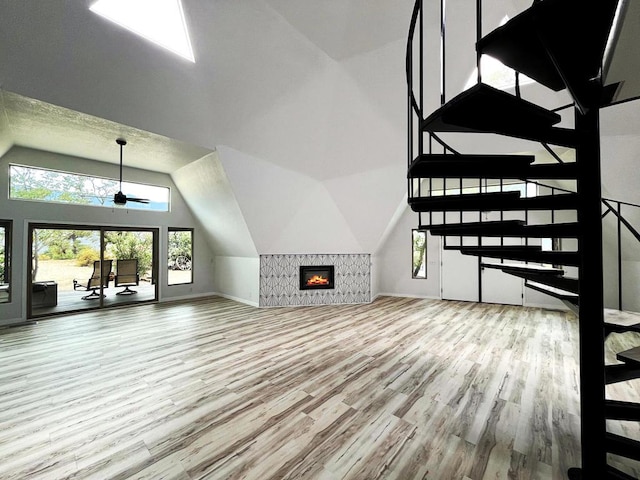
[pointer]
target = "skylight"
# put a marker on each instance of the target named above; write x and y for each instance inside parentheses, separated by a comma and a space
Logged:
(160, 21)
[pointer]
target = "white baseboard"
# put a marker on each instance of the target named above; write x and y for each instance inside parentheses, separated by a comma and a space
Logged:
(191, 296)
(16, 322)
(238, 299)
(405, 295)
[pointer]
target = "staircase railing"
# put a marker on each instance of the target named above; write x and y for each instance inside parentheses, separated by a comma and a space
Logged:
(615, 207)
(584, 138)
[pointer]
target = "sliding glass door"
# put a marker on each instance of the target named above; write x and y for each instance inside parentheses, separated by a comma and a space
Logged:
(76, 268)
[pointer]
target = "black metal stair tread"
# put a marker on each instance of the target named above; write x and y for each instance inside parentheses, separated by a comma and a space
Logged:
(517, 45)
(443, 165)
(556, 42)
(485, 109)
(524, 254)
(631, 356)
(493, 228)
(621, 410)
(505, 248)
(475, 201)
(505, 201)
(488, 166)
(623, 446)
(570, 285)
(621, 321)
(621, 372)
(565, 201)
(506, 228)
(553, 291)
(553, 230)
(614, 474)
(524, 268)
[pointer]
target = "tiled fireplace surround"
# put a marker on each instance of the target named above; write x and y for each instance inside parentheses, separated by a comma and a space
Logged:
(280, 280)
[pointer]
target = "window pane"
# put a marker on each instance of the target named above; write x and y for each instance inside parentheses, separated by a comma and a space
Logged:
(39, 184)
(5, 260)
(419, 243)
(180, 256)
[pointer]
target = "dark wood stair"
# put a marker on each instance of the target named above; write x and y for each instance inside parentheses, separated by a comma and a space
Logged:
(488, 166)
(499, 201)
(484, 109)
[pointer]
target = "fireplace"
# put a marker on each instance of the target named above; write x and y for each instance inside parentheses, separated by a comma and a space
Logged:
(316, 277)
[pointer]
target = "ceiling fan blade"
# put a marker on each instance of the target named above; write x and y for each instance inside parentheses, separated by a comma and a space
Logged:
(139, 200)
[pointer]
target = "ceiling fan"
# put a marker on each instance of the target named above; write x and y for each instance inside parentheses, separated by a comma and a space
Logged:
(120, 198)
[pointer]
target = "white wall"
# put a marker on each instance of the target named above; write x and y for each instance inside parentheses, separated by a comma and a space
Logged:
(206, 189)
(394, 263)
(286, 211)
(24, 212)
(238, 278)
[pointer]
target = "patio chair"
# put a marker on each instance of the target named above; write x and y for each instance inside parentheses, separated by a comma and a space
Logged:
(93, 283)
(127, 276)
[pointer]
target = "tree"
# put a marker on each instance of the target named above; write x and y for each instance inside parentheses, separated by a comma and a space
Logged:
(2, 254)
(57, 244)
(39, 184)
(419, 244)
(125, 245)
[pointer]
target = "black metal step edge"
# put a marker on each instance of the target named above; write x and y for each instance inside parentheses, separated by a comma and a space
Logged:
(506, 228)
(509, 115)
(554, 258)
(476, 201)
(619, 410)
(524, 268)
(615, 328)
(558, 43)
(559, 293)
(570, 285)
(620, 372)
(499, 201)
(516, 45)
(623, 446)
(614, 474)
(462, 168)
(492, 228)
(628, 356)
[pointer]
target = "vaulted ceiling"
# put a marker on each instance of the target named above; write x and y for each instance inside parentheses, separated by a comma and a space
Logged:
(283, 90)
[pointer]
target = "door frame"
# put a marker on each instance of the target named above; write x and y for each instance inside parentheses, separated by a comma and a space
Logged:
(101, 229)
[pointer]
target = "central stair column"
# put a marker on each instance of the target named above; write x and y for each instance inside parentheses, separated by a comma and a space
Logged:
(591, 317)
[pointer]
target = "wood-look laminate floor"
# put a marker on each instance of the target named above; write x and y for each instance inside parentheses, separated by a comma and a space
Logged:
(212, 389)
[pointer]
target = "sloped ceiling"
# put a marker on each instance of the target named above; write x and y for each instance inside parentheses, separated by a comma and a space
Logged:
(344, 28)
(31, 123)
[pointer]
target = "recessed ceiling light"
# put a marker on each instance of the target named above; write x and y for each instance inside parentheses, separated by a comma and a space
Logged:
(160, 21)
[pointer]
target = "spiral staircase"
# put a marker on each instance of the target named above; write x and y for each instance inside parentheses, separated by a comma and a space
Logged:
(560, 44)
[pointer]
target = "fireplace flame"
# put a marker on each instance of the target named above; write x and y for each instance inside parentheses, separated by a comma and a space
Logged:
(318, 280)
